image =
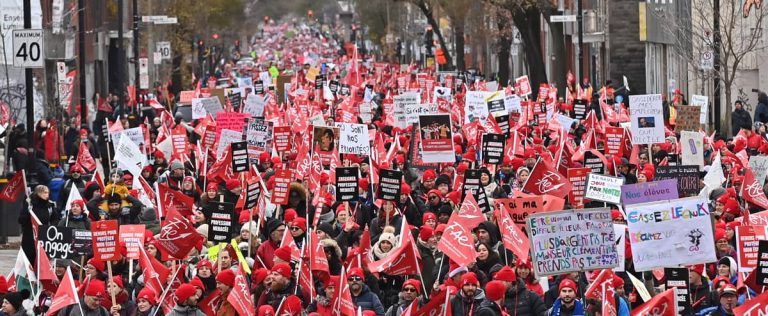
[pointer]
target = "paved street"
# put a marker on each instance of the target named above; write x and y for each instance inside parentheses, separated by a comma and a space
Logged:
(8, 255)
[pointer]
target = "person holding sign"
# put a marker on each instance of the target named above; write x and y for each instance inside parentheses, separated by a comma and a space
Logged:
(76, 219)
(45, 211)
(124, 306)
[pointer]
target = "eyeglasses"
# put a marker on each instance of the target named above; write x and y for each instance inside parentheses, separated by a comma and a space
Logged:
(354, 278)
(409, 289)
(433, 197)
(295, 228)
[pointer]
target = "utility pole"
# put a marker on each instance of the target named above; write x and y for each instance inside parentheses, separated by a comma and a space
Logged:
(716, 49)
(81, 60)
(121, 60)
(580, 19)
(136, 18)
(29, 91)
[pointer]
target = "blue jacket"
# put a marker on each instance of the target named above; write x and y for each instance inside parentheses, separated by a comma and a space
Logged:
(577, 311)
(368, 300)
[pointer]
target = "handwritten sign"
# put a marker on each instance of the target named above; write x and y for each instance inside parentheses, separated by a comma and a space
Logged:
(759, 165)
(104, 237)
(647, 119)
(702, 102)
(231, 121)
(688, 118)
(57, 241)
(520, 208)
(475, 106)
(401, 102)
(604, 188)
(258, 135)
(571, 240)
(204, 106)
(747, 238)
(353, 139)
(688, 183)
(649, 191)
(670, 233)
(228, 137)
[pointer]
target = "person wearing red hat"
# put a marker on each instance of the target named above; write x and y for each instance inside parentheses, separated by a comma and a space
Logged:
(91, 304)
(494, 299)
(266, 310)
(124, 305)
(282, 254)
(75, 219)
(519, 300)
(407, 206)
(723, 245)
(211, 194)
(429, 219)
(74, 181)
(428, 180)
(283, 285)
(729, 299)
(95, 269)
(232, 192)
(205, 274)
(225, 281)
(410, 291)
(186, 301)
(469, 297)
(298, 228)
(567, 303)
(146, 303)
(698, 287)
(362, 296)
(323, 303)
(265, 162)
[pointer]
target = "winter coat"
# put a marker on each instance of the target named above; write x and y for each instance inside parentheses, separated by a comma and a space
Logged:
(47, 214)
(427, 264)
(522, 302)
(761, 112)
(556, 310)
(488, 308)
(401, 305)
(226, 309)
(368, 300)
(182, 310)
(466, 306)
(74, 310)
(740, 118)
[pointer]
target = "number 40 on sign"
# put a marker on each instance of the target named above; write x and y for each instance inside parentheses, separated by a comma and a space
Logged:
(28, 48)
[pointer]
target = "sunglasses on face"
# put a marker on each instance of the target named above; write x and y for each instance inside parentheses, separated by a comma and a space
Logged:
(295, 228)
(351, 279)
(434, 197)
(409, 290)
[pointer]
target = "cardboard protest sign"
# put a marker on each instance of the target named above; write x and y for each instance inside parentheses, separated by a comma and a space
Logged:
(678, 278)
(401, 103)
(475, 106)
(57, 242)
(258, 134)
(227, 137)
(353, 139)
(649, 191)
(230, 120)
(411, 112)
(104, 240)
(495, 102)
(604, 188)
(255, 103)
(201, 107)
(493, 148)
(747, 237)
(647, 119)
(436, 138)
(239, 156)
(346, 184)
(253, 190)
(594, 163)
(82, 242)
(762, 263)
(132, 236)
(282, 138)
(670, 233)
(688, 182)
(571, 240)
(688, 117)
(282, 187)
(472, 185)
(523, 86)
(520, 208)
(759, 165)
(692, 148)
(179, 140)
(702, 102)
(614, 140)
(578, 178)
(579, 109)
(220, 226)
(389, 185)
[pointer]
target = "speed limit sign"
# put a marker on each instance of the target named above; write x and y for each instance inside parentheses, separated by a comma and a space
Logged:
(164, 48)
(28, 48)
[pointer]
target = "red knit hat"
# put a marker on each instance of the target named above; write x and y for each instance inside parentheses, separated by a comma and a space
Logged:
(505, 274)
(427, 216)
(405, 189)
(356, 272)
(259, 275)
(283, 269)
(118, 280)
(429, 175)
(79, 203)
(96, 288)
(266, 310)
(436, 192)
(469, 278)
(233, 184)
(454, 196)
(567, 283)
(699, 268)
(148, 295)
(618, 281)
(226, 277)
(196, 282)
(732, 206)
(98, 264)
(414, 283)
(495, 290)
(720, 234)
(291, 306)
(284, 253)
(244, 216)
(204, 263)
(523, 263)
(300, 222)
(185, 291)
(290, 215)
(426, 232)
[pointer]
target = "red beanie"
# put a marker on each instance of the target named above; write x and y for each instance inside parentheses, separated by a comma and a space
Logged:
(212, 186)
(618, 281)
(266, 310)
(429, 175)
(79, 203)
(148, 295)
(469, 278)
(720, 234)
(185, 291)
(196, 282)
(232, 184)
(204, 263)
(426, 232)
(523, 263)
(290, 215)
(436, 192)
(292, 306)
(244, 216)
(284, 253)
(414, 283)
(505, 274)
(495, 290)
(283, 269)
(96, 288)
(405, 189)
(98, 264)
(226, 277)
(427, 216)
(699, 268)
(259, 275)
(356, 272)
(300, 222)
(567, 283)
(118, 280)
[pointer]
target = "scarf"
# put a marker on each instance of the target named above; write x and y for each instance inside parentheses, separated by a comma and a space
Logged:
(578, 308)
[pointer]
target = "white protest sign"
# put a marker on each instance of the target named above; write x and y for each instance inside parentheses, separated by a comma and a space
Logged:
(353, 139)
(444, 93)
(620, 231)
(572, 240)
(512, 103)
(670, 233)
(254, 104)
(475, 106)
(401, 102)
(565, 121)
(129, 156)
(647, 119)
(202, 106)
(135, 134)
(412, 112)
(603, 188)
(245, 82)
(316, 120)
(228, 137)
(692, 148)
(258, 135)
(759, 165)
(703, 102)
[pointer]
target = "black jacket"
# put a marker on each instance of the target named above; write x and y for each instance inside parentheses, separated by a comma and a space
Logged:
(522, 302)
(740, 118)
(488, 308)
(466, 306)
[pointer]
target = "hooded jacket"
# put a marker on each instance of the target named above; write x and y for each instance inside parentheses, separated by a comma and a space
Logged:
(522, 302)
(368, 300)
(488, 308)
(761, 112)
(183, 310)
(466, 306)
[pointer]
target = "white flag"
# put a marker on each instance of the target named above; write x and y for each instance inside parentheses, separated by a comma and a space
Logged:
(129, 156)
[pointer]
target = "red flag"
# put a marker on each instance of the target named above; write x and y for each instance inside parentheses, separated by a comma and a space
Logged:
(457, 241)
(663, 304)
(99, 180)
(402, 261)
(240, 296)
(155, 273)
(594, 290)
(754, 307)
(752, 190)
(342, 303)
(514, 238)
(306, 280)
(438, 305)
(291, 243)
(85, 159)
(318, 260)
(609, 298)
(547, 180)
(14, 187)
(210, 303)
(65, 295)
(177, 235)
(116, 126)
(170, 198)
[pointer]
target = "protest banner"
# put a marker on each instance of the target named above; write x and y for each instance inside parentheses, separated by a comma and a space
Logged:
(688, 117)
(132, 236)
(258, 134)
(258, 87)
(230, 120)
(493, 148)
(512, 103)
(747, 237)
(762, 263)
(347, 188)
(413, 111)
(520, 208)
(594, 163)
(254, 104)
(678, 278)
(436, 138)
(82, 242)
(401, 102)
(473, 186)
(129, 157)
(759, 165)
(572, 240)
(579, 109)
(688, 180)
(702, 102)
(389, 185)
(647, 120)
(253, 190)
(353, 139)
(757, 306)
(475, 106)
(201, 107)
(578, 178)
(235, 99)
(220, 227)
(104, 240)
(502, 120)
(649, 191)
(135, 134)
(239, 156)
(523, 86)
(282, 138)
(614, 139)
(179, 140)
(57, 242)
(282, 187)
(227, 137)
(495, 102)
(603, 188)
(692, 148)
(670, 233)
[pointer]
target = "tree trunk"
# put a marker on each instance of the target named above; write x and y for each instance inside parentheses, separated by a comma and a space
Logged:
(503, 49)
(558, 51)
(458, 32)
(527, 21)
(427, 11)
